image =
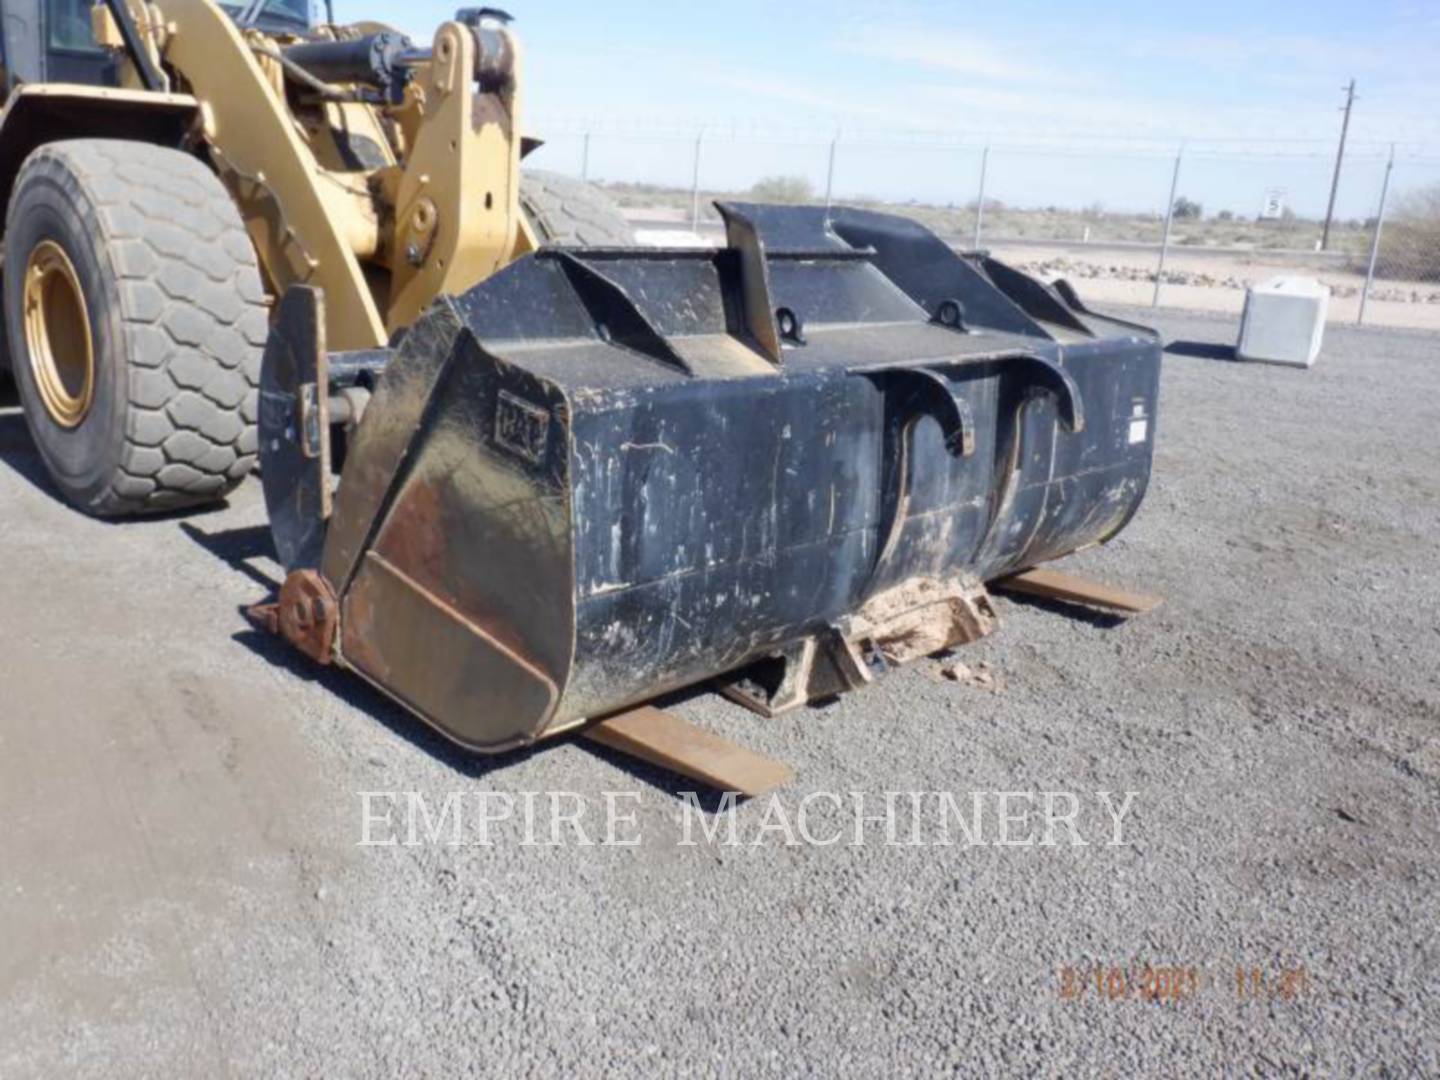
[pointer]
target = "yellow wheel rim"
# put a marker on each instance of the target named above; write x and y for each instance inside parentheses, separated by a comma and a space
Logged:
(57, 335)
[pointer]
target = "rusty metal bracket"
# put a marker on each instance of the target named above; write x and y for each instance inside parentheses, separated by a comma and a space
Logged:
(307, 615)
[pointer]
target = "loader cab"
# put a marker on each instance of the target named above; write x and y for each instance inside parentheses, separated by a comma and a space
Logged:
(51, 41)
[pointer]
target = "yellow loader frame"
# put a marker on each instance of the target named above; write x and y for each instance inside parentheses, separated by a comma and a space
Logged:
(382, 242)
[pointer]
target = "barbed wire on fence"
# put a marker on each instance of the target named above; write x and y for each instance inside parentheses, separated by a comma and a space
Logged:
(1078, 142)
(1110, 209)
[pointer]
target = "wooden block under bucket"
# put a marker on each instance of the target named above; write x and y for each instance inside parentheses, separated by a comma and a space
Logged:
(663, 739)
(1053, 585)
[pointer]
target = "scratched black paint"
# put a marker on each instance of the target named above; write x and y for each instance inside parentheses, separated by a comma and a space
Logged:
(697, 489)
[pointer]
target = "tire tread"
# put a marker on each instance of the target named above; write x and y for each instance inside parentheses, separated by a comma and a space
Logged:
(569, 212)
(194, 314)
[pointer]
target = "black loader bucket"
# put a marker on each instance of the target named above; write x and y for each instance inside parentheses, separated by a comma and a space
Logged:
(602, 475)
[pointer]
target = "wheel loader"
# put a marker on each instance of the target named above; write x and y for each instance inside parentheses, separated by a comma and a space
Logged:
(520, 474)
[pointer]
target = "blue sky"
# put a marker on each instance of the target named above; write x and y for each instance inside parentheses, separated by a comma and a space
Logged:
(916, 87)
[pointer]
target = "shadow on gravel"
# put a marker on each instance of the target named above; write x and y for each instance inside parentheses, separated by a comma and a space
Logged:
(662, 780)
(360, 696)
(1201, 350)
(1075, 612)
(17, 449)
(237, 548)
(240, 548)
(373, 705)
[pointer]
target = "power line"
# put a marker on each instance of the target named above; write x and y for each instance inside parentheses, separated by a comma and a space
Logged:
(1228, 147)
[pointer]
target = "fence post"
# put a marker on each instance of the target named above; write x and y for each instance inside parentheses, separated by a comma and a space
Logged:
(1169, 221)
(1375, 240)
(980, 200)
(585, 159)
(695, 185)
(830, 176)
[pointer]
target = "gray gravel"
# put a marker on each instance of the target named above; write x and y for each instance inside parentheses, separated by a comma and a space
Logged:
(183, 893)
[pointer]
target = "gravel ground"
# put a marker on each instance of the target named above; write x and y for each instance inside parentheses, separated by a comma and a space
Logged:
(183, 892)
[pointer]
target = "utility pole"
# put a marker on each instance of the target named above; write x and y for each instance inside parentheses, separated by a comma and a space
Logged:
(980, 198)
(585, 159)
(1339, 159)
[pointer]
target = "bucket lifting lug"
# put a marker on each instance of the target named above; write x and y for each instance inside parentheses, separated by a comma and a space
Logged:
(1050, 377)
(920, 391)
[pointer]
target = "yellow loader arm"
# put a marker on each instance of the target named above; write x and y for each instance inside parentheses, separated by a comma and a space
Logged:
(383, 174)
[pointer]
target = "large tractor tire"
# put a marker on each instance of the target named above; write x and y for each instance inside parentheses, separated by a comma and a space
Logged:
(136, 322)
(565, 212)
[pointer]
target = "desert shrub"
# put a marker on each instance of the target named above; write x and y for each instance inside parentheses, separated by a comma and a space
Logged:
(783, 189)
(1187, 209)
(1410, 244)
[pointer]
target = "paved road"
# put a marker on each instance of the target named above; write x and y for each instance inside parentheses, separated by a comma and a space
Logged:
(181, 890)
(714, 232)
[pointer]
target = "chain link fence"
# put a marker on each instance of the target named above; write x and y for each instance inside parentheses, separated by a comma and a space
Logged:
(1127, 222)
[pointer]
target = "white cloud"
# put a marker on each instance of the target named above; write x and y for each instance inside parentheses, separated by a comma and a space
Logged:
(1259, 52)
(957, 54)
(810, 95)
